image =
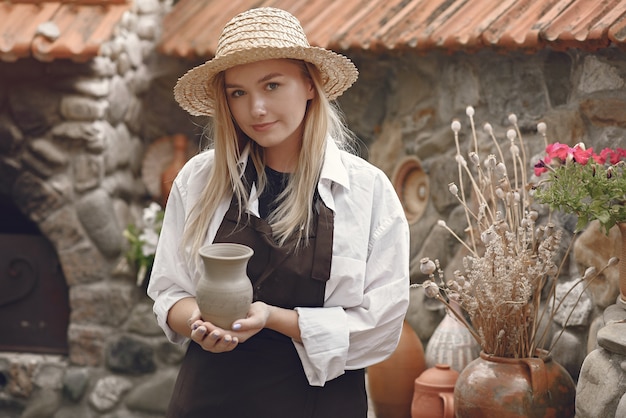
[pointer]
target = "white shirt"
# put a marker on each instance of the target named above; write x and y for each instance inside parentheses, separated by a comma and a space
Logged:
(367, 294)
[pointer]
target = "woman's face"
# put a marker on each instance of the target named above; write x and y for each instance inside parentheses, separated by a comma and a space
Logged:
(268, 100)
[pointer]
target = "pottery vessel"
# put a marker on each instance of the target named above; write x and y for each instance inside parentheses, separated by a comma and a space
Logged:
(224, 291)
(391, 382)
(514, 388)
(434, 393)
(451, 342)
(179, 158)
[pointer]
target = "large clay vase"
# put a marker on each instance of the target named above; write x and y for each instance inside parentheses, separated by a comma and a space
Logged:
(622, 265)
(391, 382)
(451, 342)
(179, 158)
(514, 388)
(434, 393)
(224, 291)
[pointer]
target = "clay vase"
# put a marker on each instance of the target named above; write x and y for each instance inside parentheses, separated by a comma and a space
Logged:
(391, 382)
(433, 396)
(451, 343)
(179, 158)
(224, 291)
(514, 388)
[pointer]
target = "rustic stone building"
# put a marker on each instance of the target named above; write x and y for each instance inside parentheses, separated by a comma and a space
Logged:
(86, 96)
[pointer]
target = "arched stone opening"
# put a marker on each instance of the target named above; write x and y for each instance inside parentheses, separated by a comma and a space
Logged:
(34, 299)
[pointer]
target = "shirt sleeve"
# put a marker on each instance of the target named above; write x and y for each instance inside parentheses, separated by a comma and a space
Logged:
(173, 275)
(170, 280)
(355, 335)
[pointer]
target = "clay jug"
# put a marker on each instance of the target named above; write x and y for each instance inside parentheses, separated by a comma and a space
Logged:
(179, 158)
(224, 291)
(451, 342)
(391, 382)
(514, 388)
(434, 393)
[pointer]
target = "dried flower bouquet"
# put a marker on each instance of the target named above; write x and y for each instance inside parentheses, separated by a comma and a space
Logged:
(510, 257)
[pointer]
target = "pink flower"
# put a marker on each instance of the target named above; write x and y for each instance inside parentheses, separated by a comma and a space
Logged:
(565, 153)
(581, 155)
(540, 168)
(557, 150)
(610, 155)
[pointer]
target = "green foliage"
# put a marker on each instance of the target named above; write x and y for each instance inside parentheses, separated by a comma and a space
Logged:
(590, 191)
(143, 241)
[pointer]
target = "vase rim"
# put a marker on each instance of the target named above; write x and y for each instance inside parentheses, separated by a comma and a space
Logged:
(540, 353)
(226, 251)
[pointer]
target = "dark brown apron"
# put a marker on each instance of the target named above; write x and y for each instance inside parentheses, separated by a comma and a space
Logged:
(263, 377)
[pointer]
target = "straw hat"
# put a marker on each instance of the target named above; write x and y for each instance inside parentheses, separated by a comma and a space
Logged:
(256, 35)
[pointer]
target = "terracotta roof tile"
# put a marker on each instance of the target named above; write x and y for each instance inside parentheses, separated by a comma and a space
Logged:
(617, 31)
(76, 28)
(519, 26)
(192, 29)
(584, 21)
(18, 27)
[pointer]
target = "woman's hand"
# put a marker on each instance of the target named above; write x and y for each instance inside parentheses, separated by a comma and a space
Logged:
(218, 340)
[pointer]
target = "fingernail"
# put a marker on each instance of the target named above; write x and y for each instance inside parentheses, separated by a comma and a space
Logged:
(236, 326)
(195, 327)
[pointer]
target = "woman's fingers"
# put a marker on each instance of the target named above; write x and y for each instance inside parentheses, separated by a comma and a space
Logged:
(195, 317)
(255, 320)
(216, 341)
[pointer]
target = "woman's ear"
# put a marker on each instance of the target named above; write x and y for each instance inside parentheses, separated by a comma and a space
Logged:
(311, 89)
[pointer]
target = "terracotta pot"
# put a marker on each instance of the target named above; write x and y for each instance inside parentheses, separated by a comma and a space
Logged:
(434, 393)
(391, 382)
(179, 158)
(514, 388)
(224, 291)
(622, 264)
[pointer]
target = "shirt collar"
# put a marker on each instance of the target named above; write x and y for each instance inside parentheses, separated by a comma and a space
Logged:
(333, 169)
(243, 159)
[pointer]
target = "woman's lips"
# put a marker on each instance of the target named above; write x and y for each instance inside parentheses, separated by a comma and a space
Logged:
(260, 127)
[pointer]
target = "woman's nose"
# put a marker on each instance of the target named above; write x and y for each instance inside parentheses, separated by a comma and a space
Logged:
(258, 107)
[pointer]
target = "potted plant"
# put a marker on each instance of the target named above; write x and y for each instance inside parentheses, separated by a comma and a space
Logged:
(511, 260)
(590, 185)
(142, 241)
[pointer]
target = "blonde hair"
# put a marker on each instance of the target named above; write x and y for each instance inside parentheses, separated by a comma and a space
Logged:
(294, 213)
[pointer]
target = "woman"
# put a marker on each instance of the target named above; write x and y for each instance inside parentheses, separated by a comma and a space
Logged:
(330, 241)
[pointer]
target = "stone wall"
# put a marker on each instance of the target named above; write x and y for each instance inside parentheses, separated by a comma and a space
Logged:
(403, 106)
(72, 140)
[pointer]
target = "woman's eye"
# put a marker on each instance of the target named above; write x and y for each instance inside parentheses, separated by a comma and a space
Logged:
(272, 86)
(237, 93)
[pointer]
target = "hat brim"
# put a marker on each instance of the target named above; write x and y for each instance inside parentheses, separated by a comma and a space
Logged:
(193, 90)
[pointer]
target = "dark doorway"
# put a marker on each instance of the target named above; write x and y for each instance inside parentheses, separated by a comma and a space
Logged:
(34, 301)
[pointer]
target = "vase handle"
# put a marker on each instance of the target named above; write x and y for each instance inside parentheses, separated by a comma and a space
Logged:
(538, 376)
(448, 404)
